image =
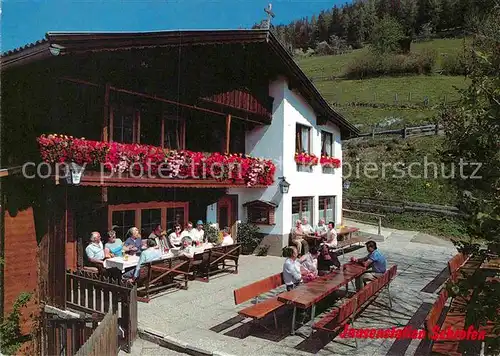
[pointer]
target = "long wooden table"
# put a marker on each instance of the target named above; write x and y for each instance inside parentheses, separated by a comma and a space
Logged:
(347, 232)
(308, 295)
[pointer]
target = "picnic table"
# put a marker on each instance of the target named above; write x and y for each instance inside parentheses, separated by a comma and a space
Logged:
(308, 295)
(347, 232)
(491, 265)
(122, 263)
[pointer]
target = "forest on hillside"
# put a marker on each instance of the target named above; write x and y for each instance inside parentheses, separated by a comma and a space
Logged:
(352, 24)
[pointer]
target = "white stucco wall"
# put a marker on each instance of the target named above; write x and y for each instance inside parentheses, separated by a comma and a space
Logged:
(277, 142)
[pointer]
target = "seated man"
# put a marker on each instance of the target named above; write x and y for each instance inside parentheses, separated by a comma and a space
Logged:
(298, 238)
(159, 238)
(291, 269)
(114, 246)
(151, 253)
(327, 260)
(375, 260)
(306, 227)
(198, 234)
(95, 250)
(331, 236)
(321, 230)
(226, 238)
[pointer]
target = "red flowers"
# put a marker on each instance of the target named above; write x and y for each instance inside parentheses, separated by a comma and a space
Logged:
(120, 157)
(327, 161)
(306, 159)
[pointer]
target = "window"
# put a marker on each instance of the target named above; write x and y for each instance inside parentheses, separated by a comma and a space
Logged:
(124, 124)
(261, 212)
(302, 208)
(327, 149)
(123, 220)
(150, 218)
(146, 216)
(327, 208)
(326, 144)
(302, 139)
(173, 133)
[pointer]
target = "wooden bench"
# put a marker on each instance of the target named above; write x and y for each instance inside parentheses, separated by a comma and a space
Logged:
(160, 275)
(336, 319)
(211, 259)
(260, 310)
(455, 263)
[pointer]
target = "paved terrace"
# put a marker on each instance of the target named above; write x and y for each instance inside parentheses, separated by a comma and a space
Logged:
(204, 318)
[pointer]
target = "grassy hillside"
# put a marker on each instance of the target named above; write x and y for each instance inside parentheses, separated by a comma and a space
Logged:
(427, 91)
(389, 95)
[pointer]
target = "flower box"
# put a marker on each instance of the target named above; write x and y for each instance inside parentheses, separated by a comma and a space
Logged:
(146, 159)
(330, 162)
(306, 159)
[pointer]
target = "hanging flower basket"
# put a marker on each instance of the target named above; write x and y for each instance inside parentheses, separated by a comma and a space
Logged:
(133, 158)
(327, 161)
(306, 159)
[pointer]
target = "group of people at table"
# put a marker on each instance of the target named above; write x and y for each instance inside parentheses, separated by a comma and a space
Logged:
(179, 243)
(303, 231)
(323, 260)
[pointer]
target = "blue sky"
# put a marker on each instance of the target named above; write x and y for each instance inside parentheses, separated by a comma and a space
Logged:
(25, 21)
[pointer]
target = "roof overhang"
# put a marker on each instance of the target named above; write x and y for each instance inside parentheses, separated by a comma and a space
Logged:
(62, 43)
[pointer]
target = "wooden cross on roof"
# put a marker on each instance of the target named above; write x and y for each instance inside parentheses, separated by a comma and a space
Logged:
(270, 14)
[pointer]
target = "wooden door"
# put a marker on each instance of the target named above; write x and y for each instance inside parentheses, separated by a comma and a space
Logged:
(227, 213)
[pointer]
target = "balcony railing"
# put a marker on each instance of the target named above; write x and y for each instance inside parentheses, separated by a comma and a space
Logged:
(130, 161)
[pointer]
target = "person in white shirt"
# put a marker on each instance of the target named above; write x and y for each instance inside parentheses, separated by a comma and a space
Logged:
(189, 231)
(175, 238)
(198, 234)
(291, 269)
(226, 238)
(331, 236)
(186, 248)
(298, 238)
(95, 249)
(321, 229)
(306, 227)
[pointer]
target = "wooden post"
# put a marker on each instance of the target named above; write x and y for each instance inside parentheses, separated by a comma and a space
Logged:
(404, 132)
(105, 125)
(373, 131)
(228, 131)
(436, 129)
(379, 225)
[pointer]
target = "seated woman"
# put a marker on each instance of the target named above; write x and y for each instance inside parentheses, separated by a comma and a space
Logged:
(114, 246)
(291, 268)
(175, 238)
(309, 265)
(331, 236)
(226, 238)
(327, 260)
(133, 244)
(150, 254)
(186, 248)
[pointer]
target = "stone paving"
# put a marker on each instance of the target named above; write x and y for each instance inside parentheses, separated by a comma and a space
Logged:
(186, 318)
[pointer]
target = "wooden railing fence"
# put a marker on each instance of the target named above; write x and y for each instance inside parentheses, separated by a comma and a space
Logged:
(405, 132)
(97, 295)
(104, 340)
(64, 336)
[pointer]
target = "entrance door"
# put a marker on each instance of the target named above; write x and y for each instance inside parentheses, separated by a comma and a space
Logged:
(227, 213)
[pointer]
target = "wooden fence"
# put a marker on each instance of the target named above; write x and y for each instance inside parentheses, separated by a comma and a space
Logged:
(64, 336)
(405, 132)
(97, 295)
(104, 340)
(401, 206)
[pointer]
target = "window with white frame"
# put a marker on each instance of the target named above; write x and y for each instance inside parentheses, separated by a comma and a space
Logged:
(302, 207)
(327, 149)
(303, 144)
(326, 205)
